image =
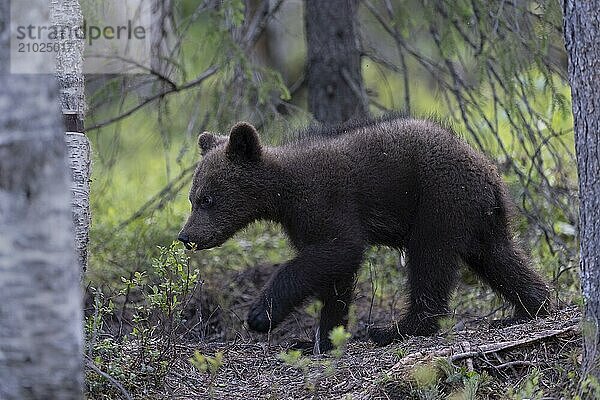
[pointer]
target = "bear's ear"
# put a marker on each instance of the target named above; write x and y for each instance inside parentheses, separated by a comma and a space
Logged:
(208, 141)
(244, 144)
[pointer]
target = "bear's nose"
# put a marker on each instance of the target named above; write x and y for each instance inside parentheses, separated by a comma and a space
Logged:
(183, 238)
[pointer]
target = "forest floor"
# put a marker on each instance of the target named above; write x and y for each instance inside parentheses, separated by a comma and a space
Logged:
(537, 359)
(204, 350)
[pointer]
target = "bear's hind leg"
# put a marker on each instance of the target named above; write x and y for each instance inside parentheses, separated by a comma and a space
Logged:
(432, 276)
(506, 268)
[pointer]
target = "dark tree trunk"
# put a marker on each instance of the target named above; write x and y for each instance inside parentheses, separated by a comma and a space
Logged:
(335, 86)
(582, 37)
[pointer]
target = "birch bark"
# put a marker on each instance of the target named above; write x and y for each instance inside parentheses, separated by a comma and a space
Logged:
(40, 296)
(69, 72)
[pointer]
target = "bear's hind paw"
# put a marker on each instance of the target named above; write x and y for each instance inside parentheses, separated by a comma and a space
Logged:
(307, 347)
(384, 335)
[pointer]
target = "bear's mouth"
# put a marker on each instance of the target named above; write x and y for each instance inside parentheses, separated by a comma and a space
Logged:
(193, 246)
(204, 245)
(190, 245)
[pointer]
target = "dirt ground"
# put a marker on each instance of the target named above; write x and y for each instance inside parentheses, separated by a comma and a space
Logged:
(505, 357)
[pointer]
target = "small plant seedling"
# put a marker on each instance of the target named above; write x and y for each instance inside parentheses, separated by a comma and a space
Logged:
(207, 364)
(294, 358)
(339, 337)
(314, 308)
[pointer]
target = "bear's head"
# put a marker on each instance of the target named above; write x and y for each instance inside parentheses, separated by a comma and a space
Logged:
(228, 189)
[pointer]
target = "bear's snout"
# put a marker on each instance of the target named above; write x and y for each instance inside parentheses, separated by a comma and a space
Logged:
(185, 239)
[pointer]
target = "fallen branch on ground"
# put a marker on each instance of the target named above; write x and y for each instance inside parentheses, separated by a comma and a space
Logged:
(457, 353)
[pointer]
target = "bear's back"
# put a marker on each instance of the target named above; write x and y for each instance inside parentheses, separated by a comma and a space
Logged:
(388, 172)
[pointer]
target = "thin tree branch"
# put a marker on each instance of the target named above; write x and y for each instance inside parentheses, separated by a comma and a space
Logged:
(91, 365)
(201, 78)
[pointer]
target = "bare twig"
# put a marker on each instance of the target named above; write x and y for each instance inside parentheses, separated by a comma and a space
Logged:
(501, 346)
(173, 89)
(163, 196)
(482, 350)
(466, 346)
(91, 365)
(512, 364)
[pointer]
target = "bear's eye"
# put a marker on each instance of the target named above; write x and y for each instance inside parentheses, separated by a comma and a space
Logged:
(206, 201)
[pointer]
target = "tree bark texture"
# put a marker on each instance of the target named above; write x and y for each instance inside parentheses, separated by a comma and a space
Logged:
(582, 37)
(69, 72)
(40, 296)
(333, 72)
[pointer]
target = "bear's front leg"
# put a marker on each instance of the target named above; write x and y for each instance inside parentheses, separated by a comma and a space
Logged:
(285, 290)
(334, 313)
(312, 273)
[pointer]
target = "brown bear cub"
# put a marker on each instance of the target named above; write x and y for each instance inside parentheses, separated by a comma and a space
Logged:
(405, 183)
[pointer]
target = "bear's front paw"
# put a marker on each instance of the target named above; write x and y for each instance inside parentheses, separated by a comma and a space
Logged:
(260, 318)
(505, 322)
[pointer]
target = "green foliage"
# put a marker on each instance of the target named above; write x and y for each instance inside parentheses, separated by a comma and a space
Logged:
(425, 376)
(469, 382)
(528, 389)
(294, 358)
(315, 370)
(135, 344)
(440, 380)
(506, 96)
(589, 388)
(339, 337)
(314, 308)
(206, 363)
(400, 352)
(174, 276)
(447, 324)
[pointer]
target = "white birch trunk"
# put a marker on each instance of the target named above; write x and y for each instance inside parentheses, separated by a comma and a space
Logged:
(69, 72)
(40, 296)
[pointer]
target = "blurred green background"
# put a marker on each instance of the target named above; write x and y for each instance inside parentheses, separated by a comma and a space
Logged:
(494, 71)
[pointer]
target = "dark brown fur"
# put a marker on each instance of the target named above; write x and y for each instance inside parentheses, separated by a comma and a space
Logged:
(405, 183)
